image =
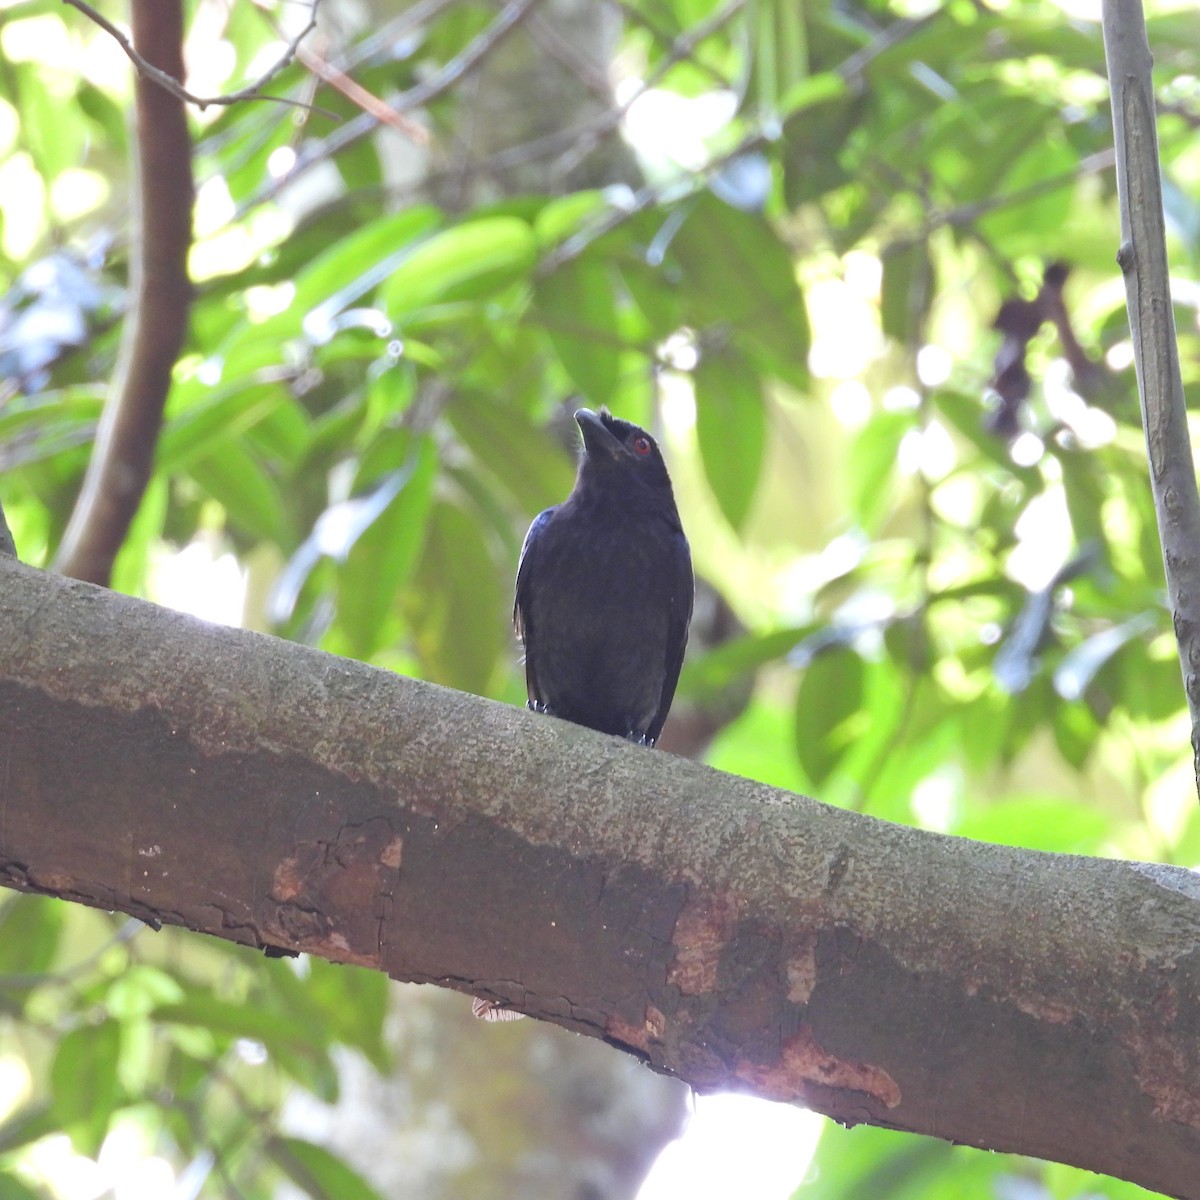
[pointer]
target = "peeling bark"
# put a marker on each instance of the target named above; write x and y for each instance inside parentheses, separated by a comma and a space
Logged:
(722, 931)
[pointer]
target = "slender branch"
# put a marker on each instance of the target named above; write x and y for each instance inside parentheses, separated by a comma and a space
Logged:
(155, 327)
(452, 73)
(684, 46)
(633, 12)
(337, 79)
(591, 74)
(1143, 259)
(383, 112)
(169, 82)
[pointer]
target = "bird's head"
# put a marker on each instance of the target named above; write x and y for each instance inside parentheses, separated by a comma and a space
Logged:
(612, 447)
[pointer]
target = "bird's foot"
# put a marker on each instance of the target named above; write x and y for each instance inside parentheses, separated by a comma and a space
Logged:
(639, 739)
(538, 707)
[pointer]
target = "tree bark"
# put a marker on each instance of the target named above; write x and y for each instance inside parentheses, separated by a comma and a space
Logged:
(726, 932)
(1143, 259)
(156, 324)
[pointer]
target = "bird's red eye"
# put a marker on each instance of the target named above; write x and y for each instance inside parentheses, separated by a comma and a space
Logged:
(641, 446)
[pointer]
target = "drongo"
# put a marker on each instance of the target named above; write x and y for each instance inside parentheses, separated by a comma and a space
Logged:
(604, 589)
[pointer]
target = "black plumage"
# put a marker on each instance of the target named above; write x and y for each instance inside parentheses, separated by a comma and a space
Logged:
(604, 588)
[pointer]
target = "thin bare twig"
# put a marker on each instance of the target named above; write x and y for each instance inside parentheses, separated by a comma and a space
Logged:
(664, 38)
(683, 47)
(337, 79)
(169, 83)
(593, 76)
(357, 94)
(1143, 259)
(447, 77)
(510, 17)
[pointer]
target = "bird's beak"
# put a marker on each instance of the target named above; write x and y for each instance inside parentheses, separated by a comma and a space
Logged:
(596, 438)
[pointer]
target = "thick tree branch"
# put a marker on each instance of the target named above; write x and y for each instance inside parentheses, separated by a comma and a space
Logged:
(157, 322)
(1143, 258)
(723, 931)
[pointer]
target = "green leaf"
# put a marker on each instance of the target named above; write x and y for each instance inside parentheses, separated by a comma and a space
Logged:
(54, 144)
(1038, 822)
(469, 262)
(1083, 486)
(731, 430)
(830, 693)
(578, 307)
(238, 482)
(139, 989)
(661, 307)
(458, 606)
(30, 927)
(12, 1187)
(812, 91)
(133, 559)
(809, 170)
(707, 674)
(355, 1005)
(1076, 731)
(565, 216)
(317, 1172)
(1150, 687)
(384, 556)
(252, 1019)
(223, 417)
(352, 265)
(907, 291)
(525, 460)
(750, 747)
(83, 1078)
(739, 275)
(871, 467)
(360, 253)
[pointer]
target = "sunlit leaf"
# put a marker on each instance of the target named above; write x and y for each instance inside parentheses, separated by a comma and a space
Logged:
(383, 557)
(531, 466)
(908, 289)
(317, 1172)
(578, 308)
(237, 480)
(84, 1080)
(731, 429)
(1038, 822)
(830, 693)
(871, 466)
(739, 276)
(30, 927)
(459, 605)
(467, 262)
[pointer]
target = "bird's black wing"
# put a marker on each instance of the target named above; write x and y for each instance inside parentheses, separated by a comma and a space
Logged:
(683, 594)
(522, 617)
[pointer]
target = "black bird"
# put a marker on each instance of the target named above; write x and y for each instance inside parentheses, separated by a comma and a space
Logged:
(604, 589)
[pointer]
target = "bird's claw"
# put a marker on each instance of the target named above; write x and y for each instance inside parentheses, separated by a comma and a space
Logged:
(638, 739)
(537, 706)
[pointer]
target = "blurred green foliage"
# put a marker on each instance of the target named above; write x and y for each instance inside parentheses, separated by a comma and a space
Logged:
(370, 410)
